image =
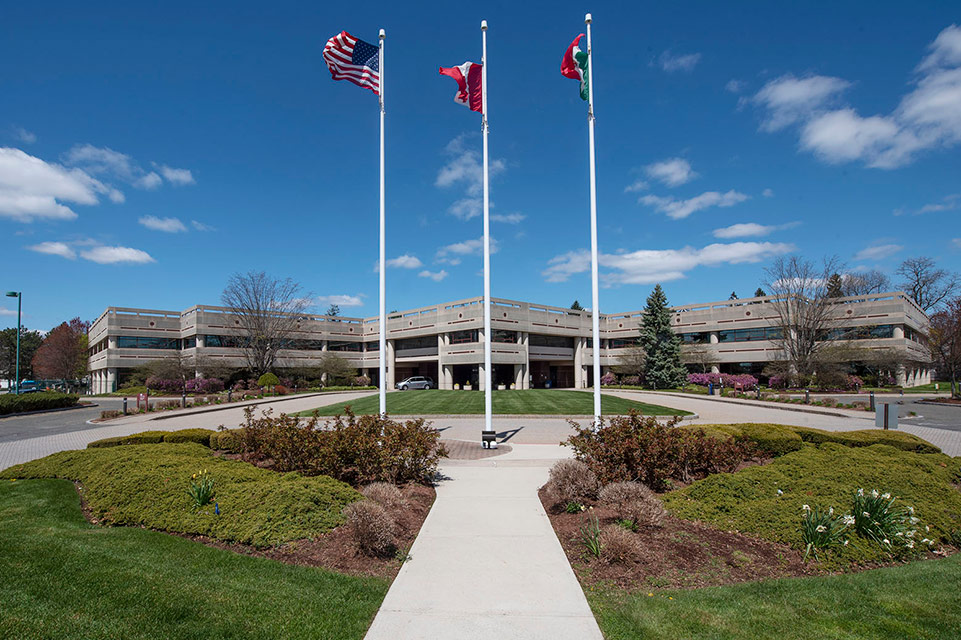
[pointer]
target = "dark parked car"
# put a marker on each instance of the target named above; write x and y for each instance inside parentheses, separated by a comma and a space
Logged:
(415, 382)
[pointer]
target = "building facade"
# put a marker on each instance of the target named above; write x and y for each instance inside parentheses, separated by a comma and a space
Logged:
(531, 345)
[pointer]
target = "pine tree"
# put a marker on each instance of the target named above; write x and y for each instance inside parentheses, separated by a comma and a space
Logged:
(835, 286)
(663, 368)
(733, 296)
(577, 306)
(759, 293)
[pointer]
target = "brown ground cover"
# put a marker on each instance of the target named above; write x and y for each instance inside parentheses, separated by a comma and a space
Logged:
(679, 554)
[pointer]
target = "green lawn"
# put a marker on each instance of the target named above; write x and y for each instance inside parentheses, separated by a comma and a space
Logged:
(526, 401)
(64, 578)
(918, 600)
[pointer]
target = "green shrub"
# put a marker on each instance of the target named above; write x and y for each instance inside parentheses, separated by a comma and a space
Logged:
(867, 437)
(268, 380)
(146, 485)
(766, 500)
(773, 439)
(144, 437)
(227, 440)
(40, 401)
(355, 449)
(200, 436)
(637, 448)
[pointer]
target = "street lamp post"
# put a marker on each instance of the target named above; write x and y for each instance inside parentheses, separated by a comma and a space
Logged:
(19, 296)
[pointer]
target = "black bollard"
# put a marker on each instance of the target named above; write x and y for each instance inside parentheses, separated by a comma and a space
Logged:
(125, 406)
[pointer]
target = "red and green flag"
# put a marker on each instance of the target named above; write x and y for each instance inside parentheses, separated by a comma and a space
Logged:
(574, 65)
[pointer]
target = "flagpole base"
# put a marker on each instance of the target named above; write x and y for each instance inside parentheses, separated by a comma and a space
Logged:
(489, 439)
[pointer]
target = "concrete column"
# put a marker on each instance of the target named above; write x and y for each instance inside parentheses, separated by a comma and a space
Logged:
(580, 345)
(714, 337)
(390, 361)
(524, 339)
(201, 341)
(899, 331)
(446, 373)
(715, 368)
(900, 376)
(480, 376)
(111, 380)
(111, 342)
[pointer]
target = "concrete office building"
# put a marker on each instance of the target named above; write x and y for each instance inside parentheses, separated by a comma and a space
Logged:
(532, 345)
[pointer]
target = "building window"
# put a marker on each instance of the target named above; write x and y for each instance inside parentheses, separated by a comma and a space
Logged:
(212, 340)
(503, 335)
(698, 337)
(749, 335)
(305, 345)
(870, 332)
(463, 337)
(556, 342)
(344, 346)
(145, 342)
(372, 346)
(424, 342)
(190, 342)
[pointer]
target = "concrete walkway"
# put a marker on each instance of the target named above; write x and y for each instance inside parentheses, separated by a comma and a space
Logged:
(487, 563)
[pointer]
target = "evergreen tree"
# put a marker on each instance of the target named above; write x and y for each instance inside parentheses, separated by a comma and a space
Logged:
(577, 306)
(663, 368)
(835, 286)
(759, 293)
(733, 295)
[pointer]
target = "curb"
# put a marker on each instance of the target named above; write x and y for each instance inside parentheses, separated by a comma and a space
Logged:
(33, 413)
(509, 416)
(237, 405)
(759, 403)
(934, 404)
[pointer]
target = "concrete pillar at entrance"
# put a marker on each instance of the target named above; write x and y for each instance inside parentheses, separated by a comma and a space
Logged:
(580, 373)
(524, 339)
(520, 377)
(390, 361)
(715, 369)
(446, 373)
(900, 376)
(111, 380)
(480, 376)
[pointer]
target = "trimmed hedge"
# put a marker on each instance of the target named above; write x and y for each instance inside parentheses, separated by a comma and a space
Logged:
(826, 476)
(40, 401)
(866, 438)
(228, 440)
(773, 439)
(200, 436)
(146, 485)
(144, 437)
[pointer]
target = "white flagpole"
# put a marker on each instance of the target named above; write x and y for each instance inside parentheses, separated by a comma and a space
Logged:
(595, 329)
(487, 242)
(383, 275)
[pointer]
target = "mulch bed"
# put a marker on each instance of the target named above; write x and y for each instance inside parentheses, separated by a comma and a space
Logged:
(680, 554)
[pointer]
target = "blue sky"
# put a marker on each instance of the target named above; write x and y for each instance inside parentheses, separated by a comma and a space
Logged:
(150, 150)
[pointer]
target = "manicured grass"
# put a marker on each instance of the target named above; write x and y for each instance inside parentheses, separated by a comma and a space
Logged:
(823, 476)
(918, 600)
(64, 578)
(523, 401)
(146, 484)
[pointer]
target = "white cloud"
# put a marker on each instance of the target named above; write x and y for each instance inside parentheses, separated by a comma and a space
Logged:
(957, 242)
(341, 300)
(789, 99)
(24, 136)
(927, 117)
(751, 230)
(678, 209)
(465, 169)
(405, 261)
(877, 252)
(168, 225)
(650, 266)
(681, 62)
(768, 193)
(148, 181)
(61, 249)
(436, 276)
(116, 255)
(452, 253)
(672, 172)
(31, 188)
(7, 312)
(176, 177)
(948, 203)
(637, 185)
(200, 226)
(735, 86)
(508, 218)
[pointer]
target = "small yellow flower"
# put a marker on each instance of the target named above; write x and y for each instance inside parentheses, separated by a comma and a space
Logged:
(650, 595)
(670, 597)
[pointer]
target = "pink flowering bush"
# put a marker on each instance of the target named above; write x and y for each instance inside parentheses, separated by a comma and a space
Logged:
(743, 380)
(205, 385)
(608, 379)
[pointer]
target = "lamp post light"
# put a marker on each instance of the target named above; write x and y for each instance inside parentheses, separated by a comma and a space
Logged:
(19, 296)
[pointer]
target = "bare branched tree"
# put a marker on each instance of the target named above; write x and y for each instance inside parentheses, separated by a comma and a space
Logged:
(928, 285)
(335, 369)
(698, 355)
(944, 341)
(805, 314)
(269, 311)
(865, 283)
(630, 361)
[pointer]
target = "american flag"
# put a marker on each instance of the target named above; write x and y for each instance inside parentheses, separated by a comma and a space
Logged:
(350, 58)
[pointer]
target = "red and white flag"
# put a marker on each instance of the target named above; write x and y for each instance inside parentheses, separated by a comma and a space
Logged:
(469, 80)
